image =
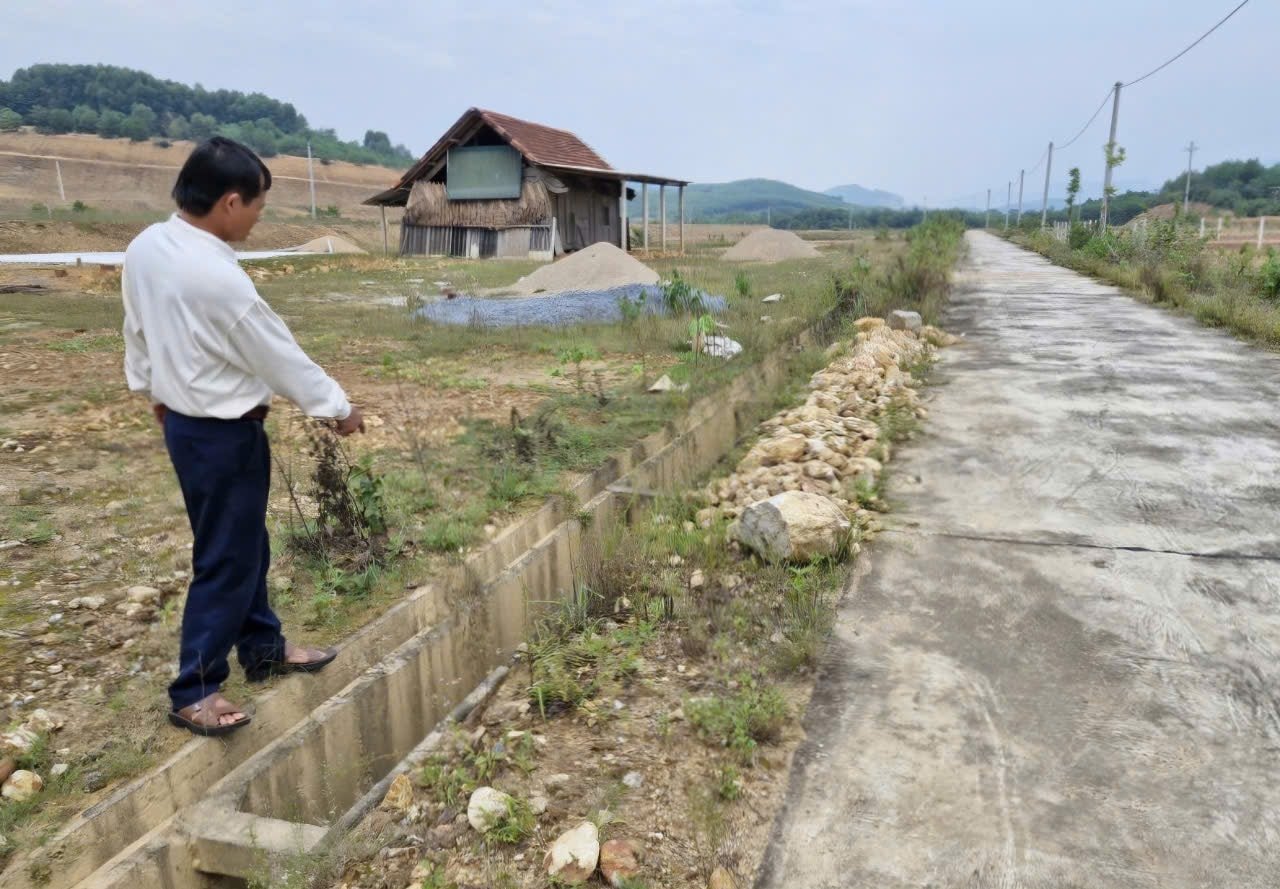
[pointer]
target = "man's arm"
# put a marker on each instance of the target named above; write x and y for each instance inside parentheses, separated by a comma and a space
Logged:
(261, 343)
(137, 360)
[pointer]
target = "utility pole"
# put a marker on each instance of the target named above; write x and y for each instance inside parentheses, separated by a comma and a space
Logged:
(1186, 194)
(1008, 199)
(1022, 175)
(1111, 146)
(1044, 201)
(311, 174)
(988, 223)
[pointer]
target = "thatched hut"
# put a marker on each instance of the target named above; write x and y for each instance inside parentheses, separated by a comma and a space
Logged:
(495, 185)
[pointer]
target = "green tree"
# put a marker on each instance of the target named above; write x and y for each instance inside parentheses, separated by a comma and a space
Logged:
(202, 126)
(10, 120)
(140, 123)
(376, 140)
(84, 119)
(1073, 191)
(178, 128)
(111, 124)
(51, 120)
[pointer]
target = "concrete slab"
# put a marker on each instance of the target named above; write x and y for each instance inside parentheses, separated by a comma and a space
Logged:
(1060, 668)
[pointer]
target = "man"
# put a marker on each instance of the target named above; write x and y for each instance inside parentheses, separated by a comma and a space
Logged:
(209, 352)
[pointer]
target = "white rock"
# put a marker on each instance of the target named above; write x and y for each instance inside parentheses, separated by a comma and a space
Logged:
(43, 721)
(772, 298)
(143, 595)
(634, 780)
(487, 807)
(21, 786)
(720, 346)
(538, 804)
(18, 741)
(900, 320)
(89, 603)
(554, 780)
(663, 383)
(697, 580)
(59, 769)
(792, 526)
(573, 857)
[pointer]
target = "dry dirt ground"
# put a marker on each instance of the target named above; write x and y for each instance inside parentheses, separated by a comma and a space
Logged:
(117, 175)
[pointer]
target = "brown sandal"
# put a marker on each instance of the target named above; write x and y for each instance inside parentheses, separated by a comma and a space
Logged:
(318, 659)
(204, 717)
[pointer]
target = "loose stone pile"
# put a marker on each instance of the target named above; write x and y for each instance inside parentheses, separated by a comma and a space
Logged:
(831, 445)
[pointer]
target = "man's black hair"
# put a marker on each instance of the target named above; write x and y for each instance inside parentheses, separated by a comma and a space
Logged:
(217, 166)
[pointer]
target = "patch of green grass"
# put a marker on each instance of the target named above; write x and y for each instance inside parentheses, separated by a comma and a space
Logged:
(89, 343)
(573, 659)
(436, 879)
(742, 720)
(807, 614)
(515, 826)
(30, 524)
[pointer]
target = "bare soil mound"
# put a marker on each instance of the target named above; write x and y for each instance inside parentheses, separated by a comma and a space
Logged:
(601, 266)
(770, 245)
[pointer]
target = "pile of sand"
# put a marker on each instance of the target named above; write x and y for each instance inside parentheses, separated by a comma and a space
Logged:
(601, 266)
(328, 244)
(770, 245)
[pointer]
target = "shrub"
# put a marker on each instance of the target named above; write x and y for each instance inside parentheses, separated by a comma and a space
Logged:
(1268, 279)
(1078, 236)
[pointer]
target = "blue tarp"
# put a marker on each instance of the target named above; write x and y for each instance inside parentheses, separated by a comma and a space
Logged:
(560, 309)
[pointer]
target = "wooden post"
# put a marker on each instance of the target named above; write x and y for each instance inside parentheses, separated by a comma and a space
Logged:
(1262, 230)
(622, 216)
(1202, 226)
(682, 220)
(644, 197)
(662, 211)
(386, 249)
(1219, 227)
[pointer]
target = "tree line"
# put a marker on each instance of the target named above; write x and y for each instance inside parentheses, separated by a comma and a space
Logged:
(116, 102)
(1238, 187)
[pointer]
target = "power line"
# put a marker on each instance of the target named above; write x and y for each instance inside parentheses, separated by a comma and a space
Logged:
(1190, 47)
(1089, 122)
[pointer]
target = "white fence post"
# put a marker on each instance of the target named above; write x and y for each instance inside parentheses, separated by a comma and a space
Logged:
(1262, 230)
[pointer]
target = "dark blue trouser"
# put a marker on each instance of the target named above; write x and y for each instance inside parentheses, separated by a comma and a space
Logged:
(224, 468)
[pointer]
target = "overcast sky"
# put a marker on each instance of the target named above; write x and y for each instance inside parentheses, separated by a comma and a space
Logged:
(933, 98)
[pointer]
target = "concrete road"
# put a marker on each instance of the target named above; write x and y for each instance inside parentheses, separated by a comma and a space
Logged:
(1062, 668)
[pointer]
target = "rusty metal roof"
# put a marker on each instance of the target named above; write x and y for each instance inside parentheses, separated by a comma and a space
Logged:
(540, 144)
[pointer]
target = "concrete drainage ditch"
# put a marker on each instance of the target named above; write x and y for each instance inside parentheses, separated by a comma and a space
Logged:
(311, 764)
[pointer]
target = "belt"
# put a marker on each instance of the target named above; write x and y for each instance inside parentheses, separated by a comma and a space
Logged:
(258, 413)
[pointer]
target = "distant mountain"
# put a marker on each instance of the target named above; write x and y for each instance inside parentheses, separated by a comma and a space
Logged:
(866, 197)
(746, 200)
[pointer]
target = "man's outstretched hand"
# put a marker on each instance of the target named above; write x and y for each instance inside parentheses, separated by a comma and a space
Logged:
(354, 422)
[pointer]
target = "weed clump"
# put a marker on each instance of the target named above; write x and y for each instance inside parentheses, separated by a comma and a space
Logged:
(741, 721)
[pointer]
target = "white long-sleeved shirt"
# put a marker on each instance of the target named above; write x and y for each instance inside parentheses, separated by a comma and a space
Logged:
(200, 340)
